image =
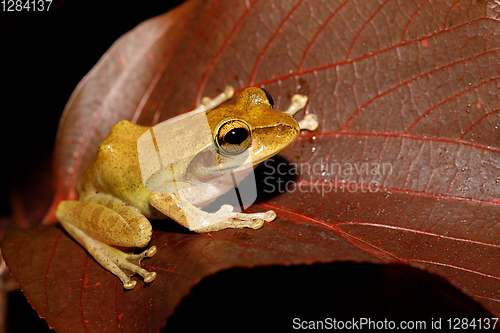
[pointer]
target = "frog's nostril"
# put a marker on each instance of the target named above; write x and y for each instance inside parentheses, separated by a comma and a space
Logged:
(281, 127)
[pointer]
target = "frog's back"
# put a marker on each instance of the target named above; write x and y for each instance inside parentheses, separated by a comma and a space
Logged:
(115, 168)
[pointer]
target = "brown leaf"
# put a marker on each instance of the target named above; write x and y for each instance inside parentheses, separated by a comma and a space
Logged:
(404, 167)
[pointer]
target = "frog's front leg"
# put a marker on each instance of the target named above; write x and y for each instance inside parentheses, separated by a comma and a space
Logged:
(102, 222)
(178, 208)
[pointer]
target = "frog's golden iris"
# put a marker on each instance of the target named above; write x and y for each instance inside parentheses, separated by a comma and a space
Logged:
(233, 137)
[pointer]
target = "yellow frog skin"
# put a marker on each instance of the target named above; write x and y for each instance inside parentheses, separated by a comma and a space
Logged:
(110, 219)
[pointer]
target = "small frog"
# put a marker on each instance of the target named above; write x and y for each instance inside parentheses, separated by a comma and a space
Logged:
(110, 219)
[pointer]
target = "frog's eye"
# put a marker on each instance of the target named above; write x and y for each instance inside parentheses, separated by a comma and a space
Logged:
(233, 137)
(269, 97)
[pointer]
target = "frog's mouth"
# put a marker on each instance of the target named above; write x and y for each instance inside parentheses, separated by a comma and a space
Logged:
(271, 154)
(269, 141)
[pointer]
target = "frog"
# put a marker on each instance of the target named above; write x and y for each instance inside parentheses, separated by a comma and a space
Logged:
(111, 218)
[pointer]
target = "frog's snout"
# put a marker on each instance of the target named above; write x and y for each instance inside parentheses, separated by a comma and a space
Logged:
(288, 125)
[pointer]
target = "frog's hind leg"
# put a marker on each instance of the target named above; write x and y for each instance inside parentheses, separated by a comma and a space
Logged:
(106, 222)
(119, 263)
(310, 121)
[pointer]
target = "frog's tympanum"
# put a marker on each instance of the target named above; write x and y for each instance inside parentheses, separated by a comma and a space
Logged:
(118, 193)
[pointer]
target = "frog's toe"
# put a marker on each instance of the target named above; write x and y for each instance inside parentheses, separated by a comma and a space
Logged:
(136, 258)
(309, 123)
(227, 208)
(269, 216)
(130, 269)
(298, 103)
(132, 264)
(256, 224)
(151, 251)
(149, 277)
(265, 216)
(125, 265)
(130, 284)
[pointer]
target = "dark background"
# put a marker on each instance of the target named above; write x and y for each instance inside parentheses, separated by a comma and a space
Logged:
(44, 56)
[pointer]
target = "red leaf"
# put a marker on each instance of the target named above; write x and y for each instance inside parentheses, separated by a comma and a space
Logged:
(410, 87)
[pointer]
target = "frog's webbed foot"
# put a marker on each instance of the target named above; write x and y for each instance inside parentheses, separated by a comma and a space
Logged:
(103, 220)
(197, 220)
(123, 265)
(310, 121)
(226, 218)
(130, 265)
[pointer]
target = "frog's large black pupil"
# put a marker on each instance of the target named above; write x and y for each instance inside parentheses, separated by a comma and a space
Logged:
(236, 136)
(269, 97)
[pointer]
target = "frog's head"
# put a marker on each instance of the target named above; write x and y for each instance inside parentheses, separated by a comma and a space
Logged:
(251, 128)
